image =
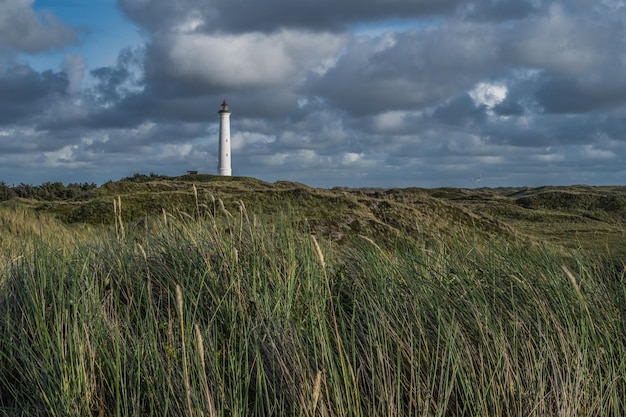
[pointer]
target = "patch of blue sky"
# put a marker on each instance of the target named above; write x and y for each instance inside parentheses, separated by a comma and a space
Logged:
(102, 32)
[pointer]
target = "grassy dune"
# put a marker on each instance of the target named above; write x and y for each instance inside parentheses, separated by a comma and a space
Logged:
(376, 303)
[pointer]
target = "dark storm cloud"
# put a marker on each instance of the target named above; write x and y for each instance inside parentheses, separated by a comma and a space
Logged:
(409, 70)
(565, 43)
(575, 95)
(414, 69)
(113, 83)
(23, 29)
(541, 131)
(237, 16)
(148, 105)
(124, 96)
(500, 10)
(24, 92)
(509, 107)
(146, 135)
(578, 64)
(459, 111)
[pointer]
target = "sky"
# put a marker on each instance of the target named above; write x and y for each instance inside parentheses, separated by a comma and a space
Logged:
(354, 93)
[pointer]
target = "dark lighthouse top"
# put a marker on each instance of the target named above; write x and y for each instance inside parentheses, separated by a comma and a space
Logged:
(224, 107)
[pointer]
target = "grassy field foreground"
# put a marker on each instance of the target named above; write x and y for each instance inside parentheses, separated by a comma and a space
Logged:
(216, 313)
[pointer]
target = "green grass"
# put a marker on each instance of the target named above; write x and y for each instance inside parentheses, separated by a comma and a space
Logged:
(239, 313)
(21, 228)
(579, 217)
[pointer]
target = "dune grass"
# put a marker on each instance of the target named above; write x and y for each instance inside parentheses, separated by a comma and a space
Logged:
(227, 315)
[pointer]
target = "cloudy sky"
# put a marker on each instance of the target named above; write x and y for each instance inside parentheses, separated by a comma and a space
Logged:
(382, 93)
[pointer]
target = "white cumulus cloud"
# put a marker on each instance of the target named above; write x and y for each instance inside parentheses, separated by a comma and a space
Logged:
(247, 60)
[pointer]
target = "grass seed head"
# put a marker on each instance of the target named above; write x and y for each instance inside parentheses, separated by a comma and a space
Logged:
(318, 251)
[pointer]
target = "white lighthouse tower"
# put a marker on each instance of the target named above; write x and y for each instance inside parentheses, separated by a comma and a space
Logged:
(223, 165)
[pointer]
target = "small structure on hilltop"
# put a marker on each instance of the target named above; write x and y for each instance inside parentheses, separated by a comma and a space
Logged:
(223, 165)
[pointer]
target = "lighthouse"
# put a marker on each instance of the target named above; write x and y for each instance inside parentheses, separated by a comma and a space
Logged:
(223, 164)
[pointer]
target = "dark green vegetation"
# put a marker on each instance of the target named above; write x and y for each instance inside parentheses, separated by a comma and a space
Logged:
(204, 295)
(48, 191)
